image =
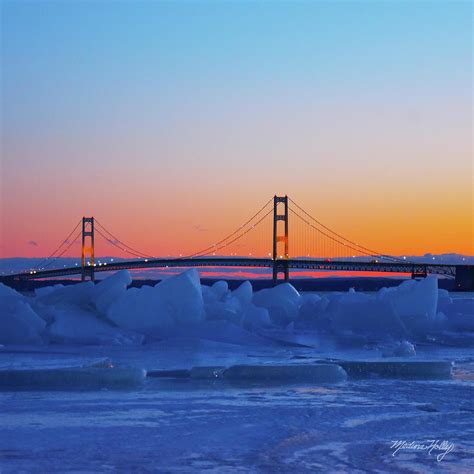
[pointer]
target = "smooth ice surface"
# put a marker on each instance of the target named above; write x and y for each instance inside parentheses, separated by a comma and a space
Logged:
(398, 369)
(314, 373)
(70, 378)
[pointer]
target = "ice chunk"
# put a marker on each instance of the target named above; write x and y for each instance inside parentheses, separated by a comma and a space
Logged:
(142, 310)
(220, 289)
(9, 292)
(80, 294)
(312, 312)
(155, 310)
(229, 310)
(282, 303)
(244, 293)
(104, 363)
(73, 325)
(71, 378)
(46, 290)
(401, 349)
(314, 373)
(398, 369)
(110, 289)
(182, 296)
(19, 324)
(255, 317)
(361, 313)
(415, 298)
(207, 372)
(444, 300)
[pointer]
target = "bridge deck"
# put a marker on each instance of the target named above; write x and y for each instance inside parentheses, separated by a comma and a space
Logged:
(308, 264)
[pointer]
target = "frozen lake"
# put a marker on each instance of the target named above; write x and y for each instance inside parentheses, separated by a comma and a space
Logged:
(170, 425)
(305, 400)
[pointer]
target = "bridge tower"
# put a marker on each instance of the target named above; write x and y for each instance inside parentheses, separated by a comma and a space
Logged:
(280, 259)
(87, 250)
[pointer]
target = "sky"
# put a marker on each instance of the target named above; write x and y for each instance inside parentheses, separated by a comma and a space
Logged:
(173, 122)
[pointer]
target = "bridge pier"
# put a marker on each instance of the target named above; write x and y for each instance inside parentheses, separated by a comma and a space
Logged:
(87, 250)
(280, 265)
(464, 280)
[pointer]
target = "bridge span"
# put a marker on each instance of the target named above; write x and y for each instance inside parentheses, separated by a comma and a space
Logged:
(333, 251)
(463, 274)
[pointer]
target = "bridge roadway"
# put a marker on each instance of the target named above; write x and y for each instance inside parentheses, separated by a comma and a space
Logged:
(302, 264)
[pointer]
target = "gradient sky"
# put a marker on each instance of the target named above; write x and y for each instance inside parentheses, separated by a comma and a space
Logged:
(172, 122)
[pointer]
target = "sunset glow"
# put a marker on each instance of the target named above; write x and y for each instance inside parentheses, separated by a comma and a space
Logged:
(180, 120)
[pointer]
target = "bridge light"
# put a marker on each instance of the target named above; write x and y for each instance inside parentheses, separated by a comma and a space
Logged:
(146, 260)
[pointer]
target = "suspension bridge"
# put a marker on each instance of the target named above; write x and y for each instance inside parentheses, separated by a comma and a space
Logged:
(314, 247)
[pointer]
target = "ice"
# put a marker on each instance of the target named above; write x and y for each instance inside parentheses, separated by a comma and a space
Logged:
(154, 310)
(244, 293)
(414, 298)
(255, 317)
(73, 325)
(401, 349)
(110, 289)
(365, 314)
(6, 291)
(19, 324)
(282, 303)
(141, 310)
(80, 294)
(314, 373)
(112, 313)
(220, 289)
(71, 378)
(229, 308)
(312, 312)
(182, 296)
(207, 372)
(398, 369)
